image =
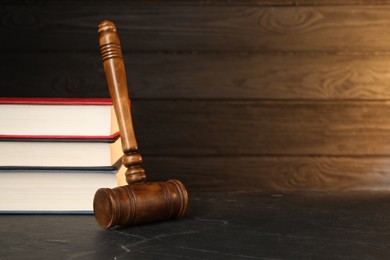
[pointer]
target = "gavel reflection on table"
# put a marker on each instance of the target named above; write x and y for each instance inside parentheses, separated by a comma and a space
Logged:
(139, 201)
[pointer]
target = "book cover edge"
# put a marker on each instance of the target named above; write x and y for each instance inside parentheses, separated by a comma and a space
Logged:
(66, 138)
(55, 101)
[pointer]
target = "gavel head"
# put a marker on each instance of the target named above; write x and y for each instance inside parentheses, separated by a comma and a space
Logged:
(140, 203)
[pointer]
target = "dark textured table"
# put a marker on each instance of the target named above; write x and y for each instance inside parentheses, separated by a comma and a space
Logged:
(235, 225)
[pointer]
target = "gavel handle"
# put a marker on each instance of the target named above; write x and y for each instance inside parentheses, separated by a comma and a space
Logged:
(114, 68)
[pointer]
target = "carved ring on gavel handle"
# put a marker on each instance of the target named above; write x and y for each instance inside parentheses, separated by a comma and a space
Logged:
(139, 201)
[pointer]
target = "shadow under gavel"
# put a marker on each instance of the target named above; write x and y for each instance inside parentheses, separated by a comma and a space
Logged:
(139, 201)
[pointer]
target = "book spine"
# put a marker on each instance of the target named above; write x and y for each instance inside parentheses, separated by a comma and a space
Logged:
(60, 138)
(56, 101)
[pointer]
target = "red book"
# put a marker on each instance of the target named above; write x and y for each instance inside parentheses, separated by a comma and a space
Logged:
(57, 118)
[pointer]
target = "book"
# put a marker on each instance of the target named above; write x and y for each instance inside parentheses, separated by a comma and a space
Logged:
(59, 154)
(54, 192)
(57, 118)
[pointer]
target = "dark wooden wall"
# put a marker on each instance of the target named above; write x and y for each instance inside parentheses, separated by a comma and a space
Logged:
(227, 95)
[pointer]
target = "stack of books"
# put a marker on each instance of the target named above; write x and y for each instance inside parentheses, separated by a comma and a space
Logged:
(56, 152)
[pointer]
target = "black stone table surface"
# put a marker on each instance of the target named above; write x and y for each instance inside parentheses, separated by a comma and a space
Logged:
(219, 225)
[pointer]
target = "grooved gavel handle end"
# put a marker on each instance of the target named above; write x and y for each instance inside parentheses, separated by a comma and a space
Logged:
(106, 25)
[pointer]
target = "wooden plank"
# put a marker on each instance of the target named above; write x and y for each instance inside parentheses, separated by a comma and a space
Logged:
(212, 2)
(272, 173)
(198, 27)
(203, 76)
(227, 128)
(52, 75)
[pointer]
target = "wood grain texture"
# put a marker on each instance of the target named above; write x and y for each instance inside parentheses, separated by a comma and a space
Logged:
(228, 95)
(225, 128)
(204, 76)
(199, 27)
(273, 173)
(214, 2)
(53, 75)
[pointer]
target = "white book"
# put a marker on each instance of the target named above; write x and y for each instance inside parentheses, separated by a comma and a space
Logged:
(57, 154)
(51, 118)
(54, 191)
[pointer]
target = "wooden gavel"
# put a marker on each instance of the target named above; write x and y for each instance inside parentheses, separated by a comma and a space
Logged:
(139, 201)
